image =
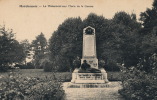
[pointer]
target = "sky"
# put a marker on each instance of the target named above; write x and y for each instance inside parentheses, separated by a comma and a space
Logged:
(28, 22)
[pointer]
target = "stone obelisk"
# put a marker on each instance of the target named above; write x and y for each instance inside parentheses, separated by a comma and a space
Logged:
(89, 47)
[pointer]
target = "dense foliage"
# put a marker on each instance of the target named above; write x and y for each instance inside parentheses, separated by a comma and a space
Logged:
(149, 19)
(28, 65)
(66, 44)
(140, 81)
(39, 46)
(11, 51)
(138, 85)
(16, 87)
(116, 40)
(26, 49)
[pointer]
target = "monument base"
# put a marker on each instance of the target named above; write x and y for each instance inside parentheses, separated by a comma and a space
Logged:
(88, 79)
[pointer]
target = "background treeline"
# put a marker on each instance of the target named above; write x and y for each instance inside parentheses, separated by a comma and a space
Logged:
(118, 41)
(22, 54)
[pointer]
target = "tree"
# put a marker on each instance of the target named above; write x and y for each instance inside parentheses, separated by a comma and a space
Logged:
(117, 38)
(149, 19)
(149, 33)
(126, 19)
(10, 50)
(40, 49)
(117, 41)
(26, 47)
(66, 44)
(127, 38)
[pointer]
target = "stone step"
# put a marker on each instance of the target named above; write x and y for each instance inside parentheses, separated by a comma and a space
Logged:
(89, 85)
(107, 93)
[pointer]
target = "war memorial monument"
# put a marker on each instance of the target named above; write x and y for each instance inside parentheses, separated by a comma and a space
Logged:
(89, 75)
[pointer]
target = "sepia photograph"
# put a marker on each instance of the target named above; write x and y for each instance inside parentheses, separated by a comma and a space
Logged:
(78, 49)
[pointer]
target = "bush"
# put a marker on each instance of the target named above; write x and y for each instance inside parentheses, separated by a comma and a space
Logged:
(15, 87)
(47, 67)
(27, 66)
(138, 85)
(30, 66)
(111, 67)
(3, 68)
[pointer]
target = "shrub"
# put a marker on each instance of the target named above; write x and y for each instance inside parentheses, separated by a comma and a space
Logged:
(15, 87)
(3, 68)
(111, 67)
(138, 85)
(47, 67)
(27, 66)
(30, 66)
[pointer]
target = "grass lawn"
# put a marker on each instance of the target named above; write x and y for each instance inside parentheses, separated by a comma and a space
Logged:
(63, 76)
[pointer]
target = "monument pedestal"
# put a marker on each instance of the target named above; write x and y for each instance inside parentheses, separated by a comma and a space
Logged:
(88, 79)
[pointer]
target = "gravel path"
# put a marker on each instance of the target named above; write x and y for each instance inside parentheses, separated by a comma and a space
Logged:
(108, 93)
